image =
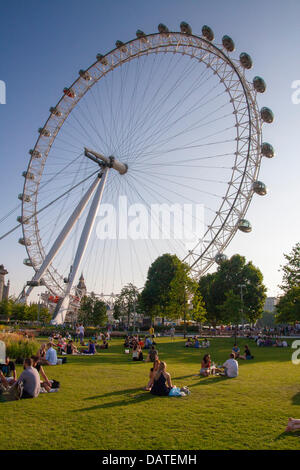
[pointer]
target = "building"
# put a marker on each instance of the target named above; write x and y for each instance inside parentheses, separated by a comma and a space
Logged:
(4, 289)
(270, 304)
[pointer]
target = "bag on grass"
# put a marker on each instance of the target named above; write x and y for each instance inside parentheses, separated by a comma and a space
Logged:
(55, 384)
(175, 392)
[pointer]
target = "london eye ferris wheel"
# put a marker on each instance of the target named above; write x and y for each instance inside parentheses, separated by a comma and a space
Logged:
(165, 118)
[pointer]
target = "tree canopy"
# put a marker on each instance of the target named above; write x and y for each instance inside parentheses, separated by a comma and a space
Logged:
(222, 288)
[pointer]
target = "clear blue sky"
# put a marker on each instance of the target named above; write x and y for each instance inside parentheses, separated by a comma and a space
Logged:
(45, 43)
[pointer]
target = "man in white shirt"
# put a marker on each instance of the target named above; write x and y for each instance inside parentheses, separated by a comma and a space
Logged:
(231, 366)
(51, 355)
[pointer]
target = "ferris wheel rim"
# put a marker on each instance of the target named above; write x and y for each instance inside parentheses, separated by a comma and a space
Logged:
(212, 49)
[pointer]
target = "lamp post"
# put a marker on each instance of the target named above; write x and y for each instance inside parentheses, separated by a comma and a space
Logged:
(242, 302)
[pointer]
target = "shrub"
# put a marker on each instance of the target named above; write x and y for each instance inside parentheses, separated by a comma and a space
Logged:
(18, 347)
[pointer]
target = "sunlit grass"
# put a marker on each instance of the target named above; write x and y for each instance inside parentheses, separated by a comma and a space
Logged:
(101, 404)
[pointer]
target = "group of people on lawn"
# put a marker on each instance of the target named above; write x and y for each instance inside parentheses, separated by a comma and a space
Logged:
(29, 384)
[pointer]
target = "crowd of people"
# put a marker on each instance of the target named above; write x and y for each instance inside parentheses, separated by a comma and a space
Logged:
(197, 342)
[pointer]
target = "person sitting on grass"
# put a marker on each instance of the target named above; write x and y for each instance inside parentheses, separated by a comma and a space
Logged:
(51, 355)
(71, 348)
(231, 367)
(104, 344)
(247, 355)
(42, 354)
(293, 425)
(148, 343)
(162, 383)
(30, 379)
(236, 351)
(196, 343)
(8, 374)
(189, 343)
(205, 365)
(137, 354)
(152, 373)
(46, 384)
(153, 355)
(92, 348)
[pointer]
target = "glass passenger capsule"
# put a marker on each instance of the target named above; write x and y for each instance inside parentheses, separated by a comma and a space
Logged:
(208, 33)
(24, 241)
(120, 45)
(267, 150)
(228, 43)
(141, 35)
(44, 132)
(85, 75)
(244, 226)
(35, 153)
(69, 92)
(24, 197)
(27, 262)
(28, 175)
(259, 84)
(245, 60)
(185, 28)
(22, 220)
(101, 58)
(259, 188)
(55, 112)
(162, 29)
(267, 115)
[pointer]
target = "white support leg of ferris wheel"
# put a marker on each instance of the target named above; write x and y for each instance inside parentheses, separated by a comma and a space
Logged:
(61, 237)
(89, 223)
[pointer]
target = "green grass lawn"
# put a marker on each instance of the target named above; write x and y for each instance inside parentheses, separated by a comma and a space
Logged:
(101, 404)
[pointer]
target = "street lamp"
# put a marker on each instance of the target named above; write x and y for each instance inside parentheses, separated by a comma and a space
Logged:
(242, 301)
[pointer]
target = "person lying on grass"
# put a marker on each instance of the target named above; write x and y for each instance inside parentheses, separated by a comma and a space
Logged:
(152, 373)
(293, 425)
(247, 354)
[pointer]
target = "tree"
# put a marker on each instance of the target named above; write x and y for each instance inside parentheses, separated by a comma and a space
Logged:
(155, 296)
(291, 270)
(288, 307)
(231, 308)
(198, 312)
(92, 311)
(230, 275)
(126, 303)
(6, 308)
(182, 291)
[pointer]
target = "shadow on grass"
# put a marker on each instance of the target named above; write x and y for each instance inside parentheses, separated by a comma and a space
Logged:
(140, 398)
(285, 434)
(118, 392)
(211, 380)
(296, 399)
